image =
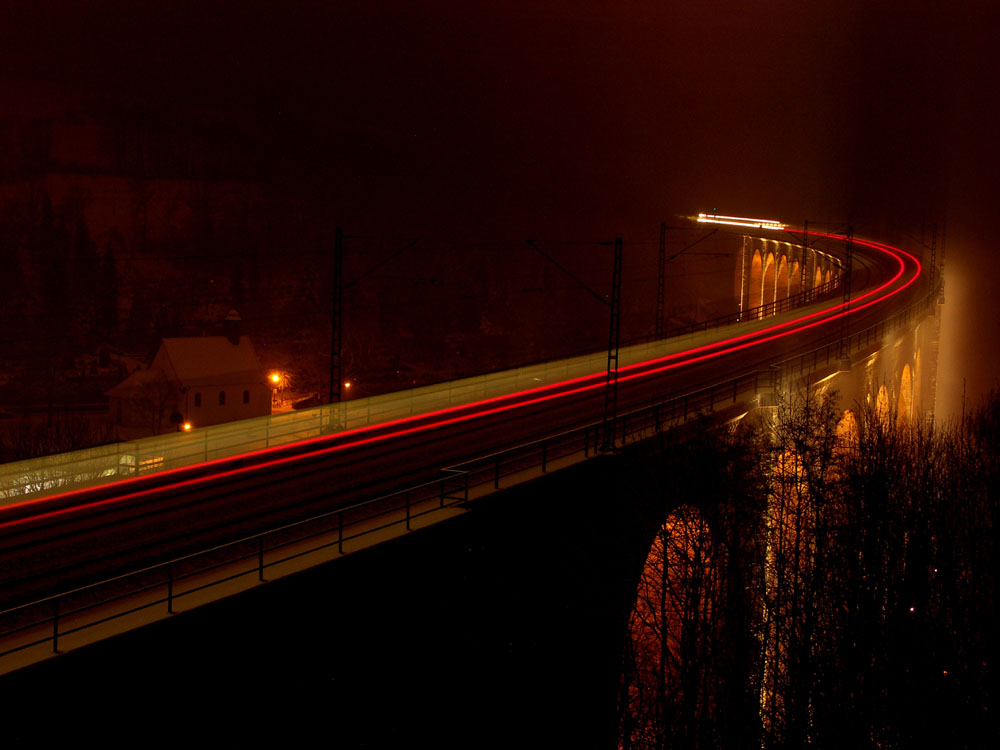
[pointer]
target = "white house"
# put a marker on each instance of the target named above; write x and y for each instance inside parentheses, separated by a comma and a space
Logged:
(200, 380)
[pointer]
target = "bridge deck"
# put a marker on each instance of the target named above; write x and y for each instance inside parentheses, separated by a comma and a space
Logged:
(249, 503)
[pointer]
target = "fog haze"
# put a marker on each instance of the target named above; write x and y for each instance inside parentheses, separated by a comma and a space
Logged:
(581, 120)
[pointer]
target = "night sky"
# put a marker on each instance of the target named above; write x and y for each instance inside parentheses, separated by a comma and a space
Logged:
(571, 120)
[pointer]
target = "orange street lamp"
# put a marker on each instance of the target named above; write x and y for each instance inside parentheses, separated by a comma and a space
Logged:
(279, 381)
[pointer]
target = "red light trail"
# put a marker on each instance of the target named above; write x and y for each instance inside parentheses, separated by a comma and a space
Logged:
(454, 414)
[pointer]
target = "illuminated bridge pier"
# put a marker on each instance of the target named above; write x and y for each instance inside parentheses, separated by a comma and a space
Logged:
(772, 269)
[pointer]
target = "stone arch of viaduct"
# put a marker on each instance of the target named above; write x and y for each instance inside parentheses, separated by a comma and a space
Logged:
(897, 379)
(769, 270)
(893, 375)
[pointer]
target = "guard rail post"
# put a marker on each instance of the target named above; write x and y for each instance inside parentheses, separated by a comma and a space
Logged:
(260, 558)
(55, 626)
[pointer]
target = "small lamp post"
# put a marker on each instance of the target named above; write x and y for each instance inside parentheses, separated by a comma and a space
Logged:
(279, 381)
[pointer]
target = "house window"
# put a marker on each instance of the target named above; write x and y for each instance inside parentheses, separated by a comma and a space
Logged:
(222, 398)
(197, 400)
(246, 397)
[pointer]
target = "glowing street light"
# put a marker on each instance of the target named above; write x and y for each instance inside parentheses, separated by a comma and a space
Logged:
(186, 427)
(279, 381)
(740, 221)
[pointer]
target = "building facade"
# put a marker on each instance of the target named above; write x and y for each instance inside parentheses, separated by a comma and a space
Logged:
(199, 381)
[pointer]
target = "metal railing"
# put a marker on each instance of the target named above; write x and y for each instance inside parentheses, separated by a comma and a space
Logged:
(253, 555)
(767, 310)
(109, 463)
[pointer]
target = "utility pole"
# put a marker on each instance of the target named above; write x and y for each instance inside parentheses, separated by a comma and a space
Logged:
(336, 327)
(940, 267)
(660, 280)
(848, 260)
(805, 250)
(944, 237)
(614, 329)
(933, 250)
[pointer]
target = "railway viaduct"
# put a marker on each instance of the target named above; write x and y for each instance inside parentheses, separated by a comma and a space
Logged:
(509, 619)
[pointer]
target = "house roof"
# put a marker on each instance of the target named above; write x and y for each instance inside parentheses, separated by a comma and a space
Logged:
(207, 360)
(136, 384)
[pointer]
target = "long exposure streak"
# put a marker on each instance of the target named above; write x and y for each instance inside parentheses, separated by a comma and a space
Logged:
(456, 414)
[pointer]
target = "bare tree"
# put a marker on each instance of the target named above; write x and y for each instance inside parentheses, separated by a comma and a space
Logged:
(854, 607)
(690, 628)
(156, 398)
